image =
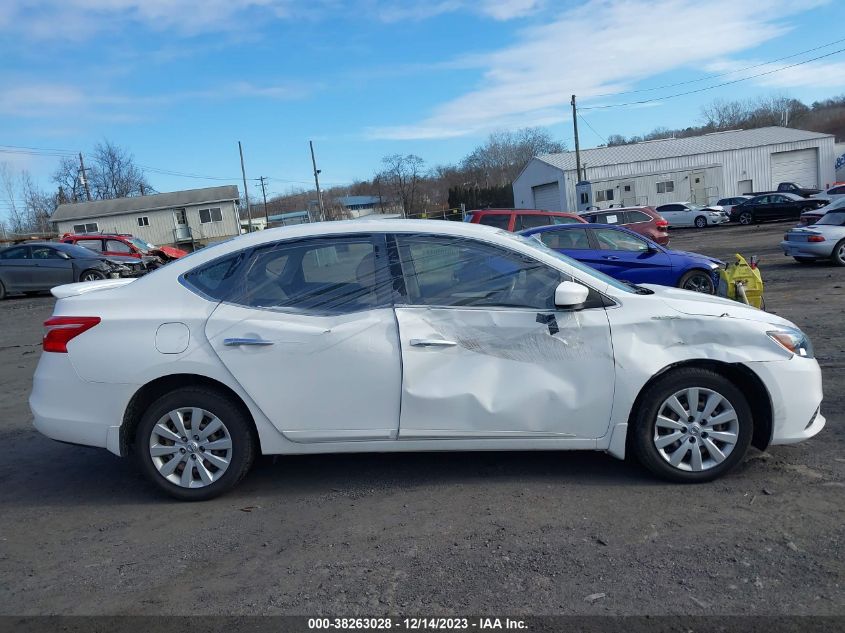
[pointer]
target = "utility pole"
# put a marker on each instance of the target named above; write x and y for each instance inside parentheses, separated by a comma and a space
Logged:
(317, 182)
(246, 191)
(577, 146)
(83, 177)
(262, 179)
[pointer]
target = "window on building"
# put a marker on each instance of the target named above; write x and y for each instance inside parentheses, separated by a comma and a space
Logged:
(584, 197)
(91, 227)
(609, 194)
(666, 186)
(599, 196)
(604, 195)
(143, 221)
(211, 215)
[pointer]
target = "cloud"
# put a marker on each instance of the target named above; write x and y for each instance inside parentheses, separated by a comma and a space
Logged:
(820, 74)
(599, 47)
(501, 10)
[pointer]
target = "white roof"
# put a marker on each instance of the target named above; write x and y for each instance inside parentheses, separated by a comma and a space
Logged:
(690, 146)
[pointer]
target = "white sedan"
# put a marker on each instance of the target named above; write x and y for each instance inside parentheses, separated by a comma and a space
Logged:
(689, 214)
(411, 336)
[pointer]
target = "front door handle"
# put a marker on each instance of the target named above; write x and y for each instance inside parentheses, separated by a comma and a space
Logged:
(611, 257)
(431, 342)
(234, 342)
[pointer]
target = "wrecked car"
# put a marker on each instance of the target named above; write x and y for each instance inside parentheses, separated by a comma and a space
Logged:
(403, 335)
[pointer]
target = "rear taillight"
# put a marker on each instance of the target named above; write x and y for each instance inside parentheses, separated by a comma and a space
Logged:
(60, 331)
(816, 238)
(662, 224)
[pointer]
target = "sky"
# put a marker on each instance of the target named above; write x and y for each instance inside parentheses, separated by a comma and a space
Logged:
(179, 82)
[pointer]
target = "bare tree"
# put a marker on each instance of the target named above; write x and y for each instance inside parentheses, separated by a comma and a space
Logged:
(500, 159)
(112, 173)
(9, 191)
(401, 175)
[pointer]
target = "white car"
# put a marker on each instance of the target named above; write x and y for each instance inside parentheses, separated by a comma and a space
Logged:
(689, 214)
(405, 335)
(835, 192)
(726, 204)
(823, 240)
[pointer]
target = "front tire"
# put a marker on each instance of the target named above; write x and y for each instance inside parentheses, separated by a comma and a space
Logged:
(700, 222)
(91, 275)
(693, 426)
(746, 218)
(698, 281)
(194, 444)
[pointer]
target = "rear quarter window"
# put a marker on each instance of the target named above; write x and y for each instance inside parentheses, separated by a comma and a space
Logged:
(499, 220)
(213, 279)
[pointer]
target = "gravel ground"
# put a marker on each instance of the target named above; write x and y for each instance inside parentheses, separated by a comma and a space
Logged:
(82, 533)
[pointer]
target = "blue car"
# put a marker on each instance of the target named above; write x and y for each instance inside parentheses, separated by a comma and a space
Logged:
(628, 256)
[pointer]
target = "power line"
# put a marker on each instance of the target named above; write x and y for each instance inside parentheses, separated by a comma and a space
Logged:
(726, 83)
(587, 123)
(724, 74)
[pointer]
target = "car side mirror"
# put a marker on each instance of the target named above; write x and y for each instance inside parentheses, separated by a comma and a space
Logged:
(570, 295)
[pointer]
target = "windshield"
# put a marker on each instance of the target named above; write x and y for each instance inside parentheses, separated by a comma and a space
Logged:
(534, 242)
(835, 218)
(141, 244)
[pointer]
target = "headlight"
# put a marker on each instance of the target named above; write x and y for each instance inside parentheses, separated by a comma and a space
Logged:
(793, 341)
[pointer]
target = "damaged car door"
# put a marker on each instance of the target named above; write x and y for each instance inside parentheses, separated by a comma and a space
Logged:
(485, 352)
(307, 329)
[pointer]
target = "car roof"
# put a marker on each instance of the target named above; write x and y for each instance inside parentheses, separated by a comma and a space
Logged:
(569, 227)
(645, 208)
(522, 211)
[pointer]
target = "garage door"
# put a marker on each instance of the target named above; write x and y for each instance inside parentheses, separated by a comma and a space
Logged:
(547, 197)
(800, 166)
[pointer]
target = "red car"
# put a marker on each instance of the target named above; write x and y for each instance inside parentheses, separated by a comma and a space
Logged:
(520, 219)
(124, 245)
(643, 220)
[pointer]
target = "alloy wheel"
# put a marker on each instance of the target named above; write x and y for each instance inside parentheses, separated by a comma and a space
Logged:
(745, 218)
(699, 282)
(190, 447)
(696, 429)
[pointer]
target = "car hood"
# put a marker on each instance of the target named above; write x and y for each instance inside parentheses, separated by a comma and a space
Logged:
(170, 251)
(697, 256)
(699, 304)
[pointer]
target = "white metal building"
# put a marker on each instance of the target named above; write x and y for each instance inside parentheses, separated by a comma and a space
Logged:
(700, 169)
(195, 216)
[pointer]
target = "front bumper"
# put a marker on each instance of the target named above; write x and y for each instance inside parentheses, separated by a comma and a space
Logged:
(817, 250)
(795, 389)
(716, 220)
(69, 409)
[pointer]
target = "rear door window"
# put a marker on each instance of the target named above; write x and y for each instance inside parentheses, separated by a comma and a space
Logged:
(530, 221)
(116, 246)
(566, 239)
(499, 220)
(17, 252)
(633, 217)
(610, 240)
(91, 245)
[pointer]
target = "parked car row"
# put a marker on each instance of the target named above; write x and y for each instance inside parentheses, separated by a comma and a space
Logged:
(823, 240)
(35, 267)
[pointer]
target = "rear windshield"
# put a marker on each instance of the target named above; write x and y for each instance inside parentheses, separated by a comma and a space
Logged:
(834, 218)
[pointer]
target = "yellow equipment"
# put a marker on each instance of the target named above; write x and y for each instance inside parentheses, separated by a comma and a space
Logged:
(742, 282)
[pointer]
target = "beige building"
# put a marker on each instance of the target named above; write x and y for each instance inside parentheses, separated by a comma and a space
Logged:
(178, 218)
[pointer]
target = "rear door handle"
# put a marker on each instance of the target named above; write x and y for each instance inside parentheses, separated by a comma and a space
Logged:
(234, 342)
(432, 342)
(611, 257)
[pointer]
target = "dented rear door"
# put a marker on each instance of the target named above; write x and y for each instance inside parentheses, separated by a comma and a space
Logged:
(486, 355)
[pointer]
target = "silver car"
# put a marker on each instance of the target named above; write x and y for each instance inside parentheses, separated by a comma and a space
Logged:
(824, 240)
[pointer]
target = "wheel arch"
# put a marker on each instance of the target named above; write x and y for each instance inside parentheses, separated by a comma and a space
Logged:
(744, 378)
(153, 390)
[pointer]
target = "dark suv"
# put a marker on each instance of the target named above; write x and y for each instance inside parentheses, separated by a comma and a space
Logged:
(520, 219)
(643, 220)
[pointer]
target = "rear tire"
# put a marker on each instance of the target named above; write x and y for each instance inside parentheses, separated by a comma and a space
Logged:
(703, 447)
(698, 281)
(838, 254)
(91, 275)
(700, 222)
(746, 218)
(208, 436)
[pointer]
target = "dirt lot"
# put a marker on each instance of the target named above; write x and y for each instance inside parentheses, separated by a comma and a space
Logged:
(82, 533)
